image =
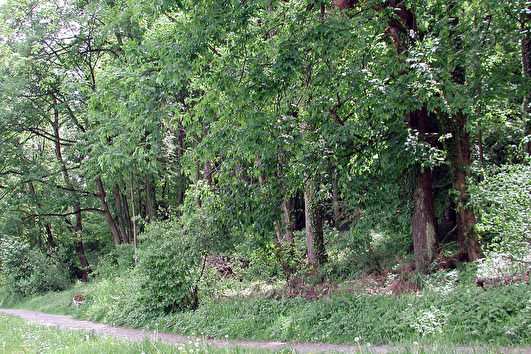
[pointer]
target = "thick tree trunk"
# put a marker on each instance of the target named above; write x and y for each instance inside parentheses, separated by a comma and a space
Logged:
(80, 248)
(403, 30)
(207, 171)
(284, 228)
(461, 157)
(107, 212)
(288, 222)
(423, 221)
(278, 231)
(423, 224)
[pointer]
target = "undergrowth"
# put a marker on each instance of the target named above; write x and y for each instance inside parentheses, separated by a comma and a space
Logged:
(453, 312)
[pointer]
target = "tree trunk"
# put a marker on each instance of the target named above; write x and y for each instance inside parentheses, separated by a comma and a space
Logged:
(313, 212)
(128, 218)
(466, 220)
(207, 171)
(180, 151)
(132, 190)
(403, 29)
(121, 214)
(461, 159)
(197, 168)
(335, 200)
(423, 224)
(423, 221)
(80, 248)
(107, 212)
(278, 231)
(151, 202)
(288, 222)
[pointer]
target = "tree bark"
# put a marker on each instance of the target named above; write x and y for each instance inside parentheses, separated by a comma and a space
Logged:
(402, 28)
(197, 168)
(423, 221)
(132, 190)
(128, 218)
(335, 200)
(424, 224)
(288, 222)
(180, 151)
(466, 235)
(121, 214)
(461, 156)
(107, 212)
(151, 202)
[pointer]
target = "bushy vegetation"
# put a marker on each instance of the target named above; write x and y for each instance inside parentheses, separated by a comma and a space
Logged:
(503, 203)
(366, 290)
(451, 310)
(465, 315)
(28, 271)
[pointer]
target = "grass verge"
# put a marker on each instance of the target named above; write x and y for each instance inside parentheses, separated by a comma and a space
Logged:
(452, 313)
(17, 336)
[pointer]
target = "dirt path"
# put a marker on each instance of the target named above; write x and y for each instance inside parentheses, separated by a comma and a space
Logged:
(68, 323)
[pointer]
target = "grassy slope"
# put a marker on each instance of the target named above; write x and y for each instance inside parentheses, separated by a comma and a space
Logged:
(453, 313)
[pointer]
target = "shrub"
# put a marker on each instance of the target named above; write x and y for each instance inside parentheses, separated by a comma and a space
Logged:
(170, 266)
(28, 271)
(117, 262)
(503, 203)
(117, 300)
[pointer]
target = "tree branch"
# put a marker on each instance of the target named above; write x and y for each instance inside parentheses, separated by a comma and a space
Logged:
(63, 214)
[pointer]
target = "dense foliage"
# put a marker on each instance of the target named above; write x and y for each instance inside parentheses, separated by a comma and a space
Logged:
(162, 144)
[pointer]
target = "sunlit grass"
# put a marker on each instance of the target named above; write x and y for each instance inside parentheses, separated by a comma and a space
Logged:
(18, 336)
